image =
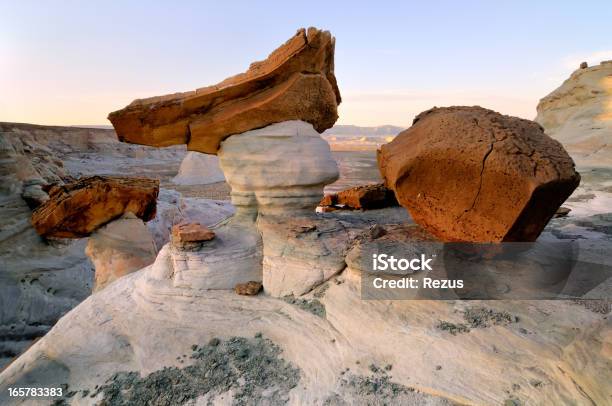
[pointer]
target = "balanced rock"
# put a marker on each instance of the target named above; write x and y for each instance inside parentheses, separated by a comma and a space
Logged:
(471, 174)
(578, 115)
(75, 210)
(296, 82)
(119, 248)
(364, 197)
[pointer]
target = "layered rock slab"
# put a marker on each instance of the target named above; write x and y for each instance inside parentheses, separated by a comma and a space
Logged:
(579, 115)
(75, 210)
(471, 174)
(295, 82)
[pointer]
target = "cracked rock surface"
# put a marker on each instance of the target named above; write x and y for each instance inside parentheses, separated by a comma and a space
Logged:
(471, 174)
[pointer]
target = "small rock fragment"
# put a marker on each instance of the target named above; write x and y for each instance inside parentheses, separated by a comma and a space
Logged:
(248, 289)
(191, 232)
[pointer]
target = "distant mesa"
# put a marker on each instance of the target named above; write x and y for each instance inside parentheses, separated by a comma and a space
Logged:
(296, 82)
(579, 114)
(77, 209)
(471, 174)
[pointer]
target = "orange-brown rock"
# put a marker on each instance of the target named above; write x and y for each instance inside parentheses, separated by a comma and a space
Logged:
(296, 82)
(471, 174)
(248, 289)
(364, 197)
(191, 232)
(77, 209)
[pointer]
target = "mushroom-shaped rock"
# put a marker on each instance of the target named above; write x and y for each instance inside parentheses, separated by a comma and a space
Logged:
(471, 174)
(77, 209)
(296, 82)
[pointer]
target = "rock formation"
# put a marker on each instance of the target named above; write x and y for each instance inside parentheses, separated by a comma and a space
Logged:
(120, 247)
(278, 169)
(470, 174)
(557, 350)
(296, 82)
(277, 175)
(199, 169)
(361, 197)
(579, 115)
(75, 210)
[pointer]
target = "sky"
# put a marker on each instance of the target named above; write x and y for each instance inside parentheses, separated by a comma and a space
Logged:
(73, 62)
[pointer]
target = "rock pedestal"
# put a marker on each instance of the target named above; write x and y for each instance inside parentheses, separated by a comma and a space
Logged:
(278, 169)
(300, 252)
(121, 247)
(277, 175)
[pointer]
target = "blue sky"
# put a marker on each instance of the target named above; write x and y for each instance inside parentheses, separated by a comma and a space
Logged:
(72, 62)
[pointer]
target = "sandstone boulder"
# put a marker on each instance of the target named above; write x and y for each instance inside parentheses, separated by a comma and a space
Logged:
(119, 248)
(75, 210)
(364, 197)
(471, 174)
(296, 82)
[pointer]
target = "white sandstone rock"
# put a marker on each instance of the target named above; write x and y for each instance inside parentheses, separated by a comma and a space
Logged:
(120, 247)
(579, 115)
(279, 168)
(557, 350)
(233, 256)
(300, 252)
(173, 209)
(199, 169)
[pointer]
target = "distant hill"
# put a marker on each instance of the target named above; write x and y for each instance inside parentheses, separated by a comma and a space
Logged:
(335, 130)
(363, 131)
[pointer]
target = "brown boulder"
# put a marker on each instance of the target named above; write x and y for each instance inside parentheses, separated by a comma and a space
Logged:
(365, 197)
(77, 209)
(471, 174)
(296, 82)
(191, 232)
(248, 289)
